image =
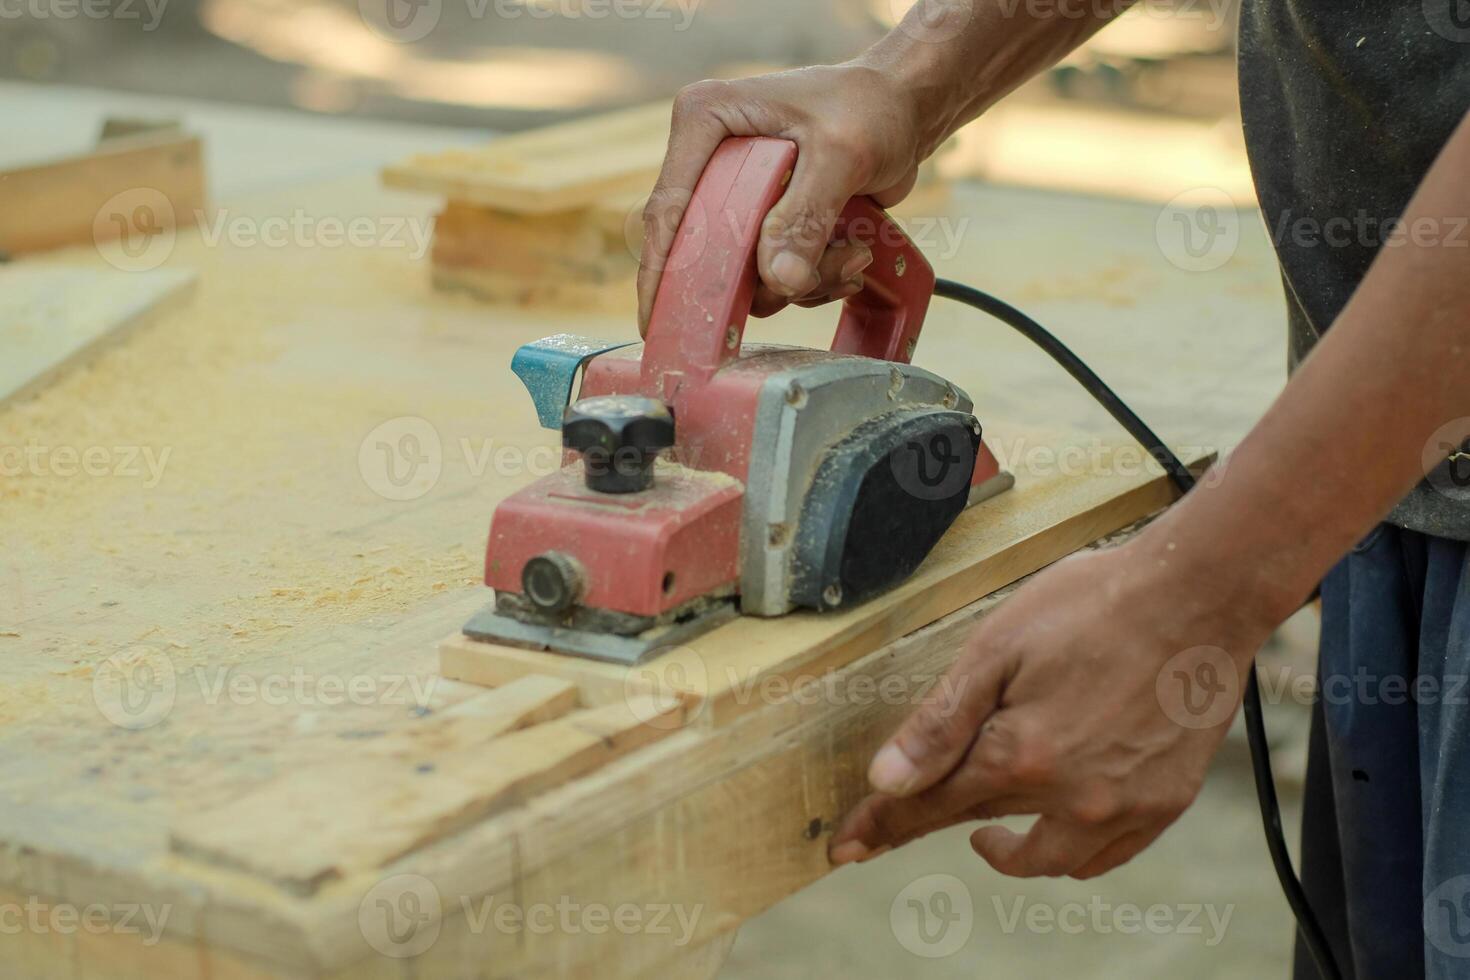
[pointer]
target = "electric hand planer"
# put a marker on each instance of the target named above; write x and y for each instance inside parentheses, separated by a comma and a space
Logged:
(704, 477)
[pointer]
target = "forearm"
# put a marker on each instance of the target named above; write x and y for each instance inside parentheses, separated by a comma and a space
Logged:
(959, 57)
(1346, 439)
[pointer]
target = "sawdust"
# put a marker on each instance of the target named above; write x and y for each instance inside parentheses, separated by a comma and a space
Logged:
(232, 520)
(375, 590)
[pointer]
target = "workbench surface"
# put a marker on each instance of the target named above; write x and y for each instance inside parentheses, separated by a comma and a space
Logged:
(295, 472)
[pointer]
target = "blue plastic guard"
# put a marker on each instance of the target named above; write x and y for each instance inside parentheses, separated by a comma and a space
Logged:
(548, 368)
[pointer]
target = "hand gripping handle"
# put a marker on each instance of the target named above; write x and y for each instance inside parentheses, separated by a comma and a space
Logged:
(709, 279)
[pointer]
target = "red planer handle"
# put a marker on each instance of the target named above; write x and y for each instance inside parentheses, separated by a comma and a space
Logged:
(709, 279)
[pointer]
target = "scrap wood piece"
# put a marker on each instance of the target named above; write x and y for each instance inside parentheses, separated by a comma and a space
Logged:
(146, 181)
(53, 318)
(571, 260)
(527, 701)
(314, 826)
(558, 168)
(732, 670)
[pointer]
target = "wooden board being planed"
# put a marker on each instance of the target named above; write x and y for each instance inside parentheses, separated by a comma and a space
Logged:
(712, 681)
(990, 546)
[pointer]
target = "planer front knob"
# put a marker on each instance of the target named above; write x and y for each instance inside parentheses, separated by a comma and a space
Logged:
(619, 437)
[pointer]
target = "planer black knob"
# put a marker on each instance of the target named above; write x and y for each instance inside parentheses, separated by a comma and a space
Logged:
(619, 437)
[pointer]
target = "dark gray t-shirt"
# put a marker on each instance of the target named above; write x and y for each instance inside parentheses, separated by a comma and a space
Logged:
(1346, 104)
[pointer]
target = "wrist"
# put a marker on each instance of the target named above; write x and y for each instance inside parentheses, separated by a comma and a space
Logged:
(927, 80)
(1219, 575)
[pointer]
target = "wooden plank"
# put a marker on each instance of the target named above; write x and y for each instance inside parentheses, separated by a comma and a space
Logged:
(991, 546)
(96, 197)
(568, 260)
(463, 660)
(714, 824)
(315, 826)
(559, 168)
(53, 318)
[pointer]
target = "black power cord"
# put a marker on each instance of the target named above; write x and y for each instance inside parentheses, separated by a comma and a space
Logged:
(1255, 728)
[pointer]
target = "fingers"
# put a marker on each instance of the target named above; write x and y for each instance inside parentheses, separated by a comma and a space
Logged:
(893, 196)
(935, 737)
(840, 269)
(839, 275)
(982, 787)
(767, 302)
(1051, 848)
(696, 133)
(881, 823)
(796, 233)
(1118, 853)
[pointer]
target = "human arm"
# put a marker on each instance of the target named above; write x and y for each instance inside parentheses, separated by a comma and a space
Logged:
(1059, 710)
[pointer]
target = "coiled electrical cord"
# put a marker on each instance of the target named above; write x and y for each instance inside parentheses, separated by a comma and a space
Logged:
(1311, 930)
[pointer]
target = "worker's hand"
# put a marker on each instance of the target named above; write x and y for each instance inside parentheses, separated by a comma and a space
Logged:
(856, 129)
(1071, 701)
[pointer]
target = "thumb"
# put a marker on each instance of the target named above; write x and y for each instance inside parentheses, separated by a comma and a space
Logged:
(933, 740)
(797, 230)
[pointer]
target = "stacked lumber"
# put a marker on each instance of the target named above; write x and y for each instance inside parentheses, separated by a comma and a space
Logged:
(553, 217)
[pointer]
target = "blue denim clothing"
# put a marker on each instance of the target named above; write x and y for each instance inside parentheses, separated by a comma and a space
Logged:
(1386, 823)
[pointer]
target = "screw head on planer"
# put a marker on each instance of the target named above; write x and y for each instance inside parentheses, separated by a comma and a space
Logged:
(619, 437)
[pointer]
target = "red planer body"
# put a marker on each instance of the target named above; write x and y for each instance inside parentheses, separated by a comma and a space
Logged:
(704, 476)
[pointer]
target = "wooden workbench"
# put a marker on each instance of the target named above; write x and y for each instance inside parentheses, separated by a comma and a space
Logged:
(290, 606)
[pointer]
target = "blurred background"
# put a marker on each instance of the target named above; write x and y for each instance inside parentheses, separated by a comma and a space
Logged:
(508, 64)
